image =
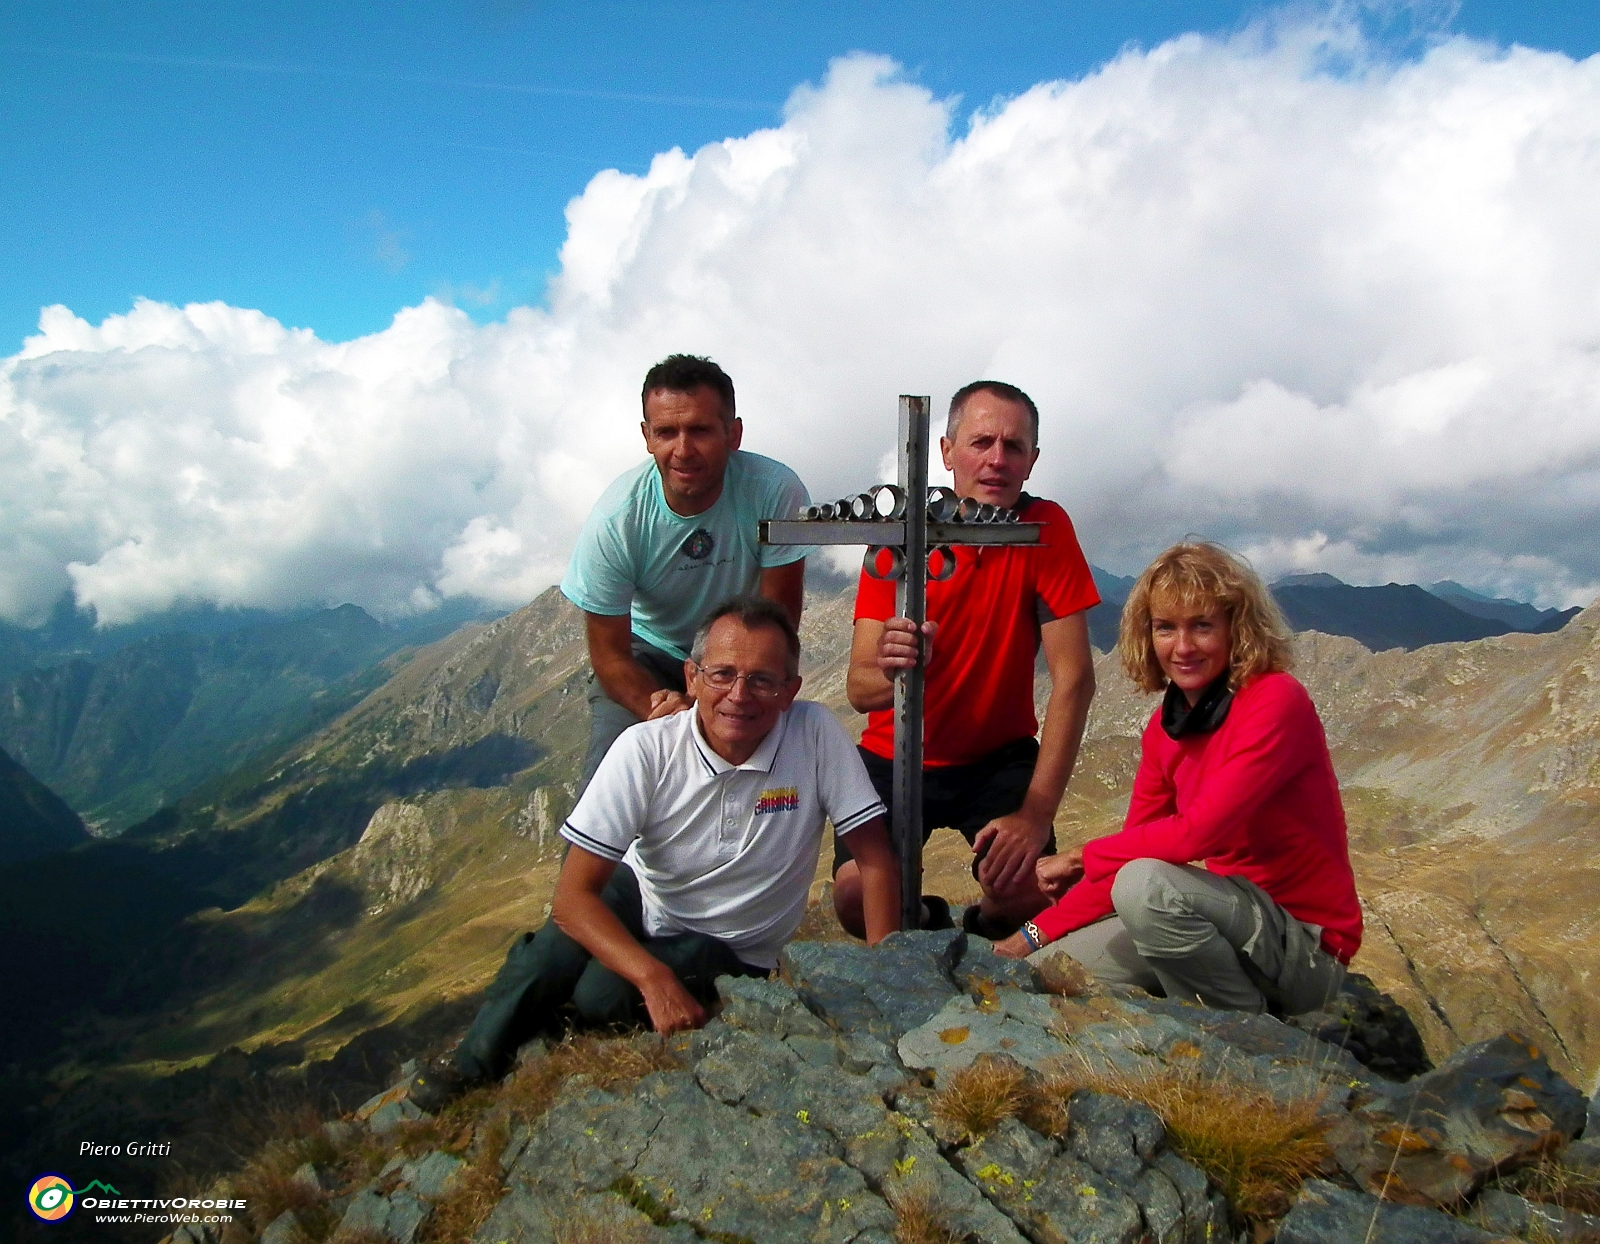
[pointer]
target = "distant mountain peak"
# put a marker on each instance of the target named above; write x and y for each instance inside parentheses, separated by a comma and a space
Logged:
(1514, 613)
(1104, 578)
(1314, 579)
(1449, 587)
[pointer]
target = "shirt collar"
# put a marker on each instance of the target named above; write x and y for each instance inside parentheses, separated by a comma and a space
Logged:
(761, 760)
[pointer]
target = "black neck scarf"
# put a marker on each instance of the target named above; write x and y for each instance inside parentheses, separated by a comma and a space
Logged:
(1180, 718)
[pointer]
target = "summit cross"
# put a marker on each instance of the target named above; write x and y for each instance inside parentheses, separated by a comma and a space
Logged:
(884, 519)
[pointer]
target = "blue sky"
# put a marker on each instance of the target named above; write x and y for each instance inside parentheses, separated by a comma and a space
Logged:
(1317, 281)
(330, 164)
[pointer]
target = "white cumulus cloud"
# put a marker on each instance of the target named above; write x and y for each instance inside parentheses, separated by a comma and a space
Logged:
(1338, 309)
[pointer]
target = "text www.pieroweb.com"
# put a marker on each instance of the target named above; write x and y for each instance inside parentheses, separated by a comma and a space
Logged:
(174, 1210)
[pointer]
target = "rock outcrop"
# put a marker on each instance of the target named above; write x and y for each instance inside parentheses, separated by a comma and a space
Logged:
(815, 1107)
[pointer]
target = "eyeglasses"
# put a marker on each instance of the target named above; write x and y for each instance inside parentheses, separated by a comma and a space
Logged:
(762, 686)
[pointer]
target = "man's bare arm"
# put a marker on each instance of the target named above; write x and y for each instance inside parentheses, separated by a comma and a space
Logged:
(787, 586)
(880, 878)
(865, 685)
(1018, 838)
(621, 677)
(579, 913)
(878, 651)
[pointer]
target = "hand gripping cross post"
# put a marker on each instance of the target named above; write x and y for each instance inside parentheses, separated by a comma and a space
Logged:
(885, 520)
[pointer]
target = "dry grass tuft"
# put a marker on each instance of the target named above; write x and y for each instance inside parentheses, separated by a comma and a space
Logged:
(460, 1212)
(993, 1088)
(1045, 1110)
(1255, 1148)
(266, 1181)
(268, 1187)
(586, 1228)
(483, 1116)
(450, 1130)
(608, 1062)
(982, 1094)
(917, 1219)
(1553, 1181)
(265, 1109)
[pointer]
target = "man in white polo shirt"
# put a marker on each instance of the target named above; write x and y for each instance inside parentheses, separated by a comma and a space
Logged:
(691, 853)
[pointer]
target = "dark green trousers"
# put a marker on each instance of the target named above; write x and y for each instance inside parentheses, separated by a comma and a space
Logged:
(546, 971)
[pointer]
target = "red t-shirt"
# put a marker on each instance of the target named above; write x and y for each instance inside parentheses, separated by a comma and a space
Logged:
(979, 691)
(1255, 798)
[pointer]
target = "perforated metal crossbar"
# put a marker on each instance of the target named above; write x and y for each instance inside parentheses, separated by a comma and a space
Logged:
(903, 534)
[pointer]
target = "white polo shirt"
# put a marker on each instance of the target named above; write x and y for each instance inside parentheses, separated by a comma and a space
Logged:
(725, 850)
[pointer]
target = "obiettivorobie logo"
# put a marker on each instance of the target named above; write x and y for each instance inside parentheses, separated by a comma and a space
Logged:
(51, 1197)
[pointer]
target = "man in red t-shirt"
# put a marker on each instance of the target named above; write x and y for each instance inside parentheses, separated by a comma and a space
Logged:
(984, 773)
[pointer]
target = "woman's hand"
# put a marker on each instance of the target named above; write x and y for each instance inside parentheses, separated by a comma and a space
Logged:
(1013, 947)
(1056, 874)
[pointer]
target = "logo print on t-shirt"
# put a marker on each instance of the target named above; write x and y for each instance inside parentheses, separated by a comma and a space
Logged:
(783, 799)
(699, 544)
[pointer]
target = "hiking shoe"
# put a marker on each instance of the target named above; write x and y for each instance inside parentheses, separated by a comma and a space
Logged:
(936, 913)
(974, 922)
(439, 1083)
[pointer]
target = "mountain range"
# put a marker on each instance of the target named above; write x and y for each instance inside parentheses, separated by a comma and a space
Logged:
(72, 630)
(1395, 615)
(432, 803)
(1516, 614)
(122, 721)
(367, 873)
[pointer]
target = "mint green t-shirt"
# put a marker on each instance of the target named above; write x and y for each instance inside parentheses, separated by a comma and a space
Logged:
(636, 557)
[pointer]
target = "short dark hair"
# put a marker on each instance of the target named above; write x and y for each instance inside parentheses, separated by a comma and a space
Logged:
(1000, 389)
(751, 612)
(681, 373)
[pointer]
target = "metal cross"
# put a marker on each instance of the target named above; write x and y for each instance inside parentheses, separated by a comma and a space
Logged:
(886, 519)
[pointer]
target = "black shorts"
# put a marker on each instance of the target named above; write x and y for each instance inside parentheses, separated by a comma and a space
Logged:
(960, 797)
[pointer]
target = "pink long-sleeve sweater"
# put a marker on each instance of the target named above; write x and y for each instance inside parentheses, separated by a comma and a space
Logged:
(1255, 798)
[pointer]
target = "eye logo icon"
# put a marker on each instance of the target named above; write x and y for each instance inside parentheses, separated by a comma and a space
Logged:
(50, 1198)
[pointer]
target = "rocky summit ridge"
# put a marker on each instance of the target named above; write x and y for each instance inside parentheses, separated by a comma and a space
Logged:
(927, 1091)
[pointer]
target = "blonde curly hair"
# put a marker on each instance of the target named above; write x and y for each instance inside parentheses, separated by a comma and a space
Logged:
(1198, 576)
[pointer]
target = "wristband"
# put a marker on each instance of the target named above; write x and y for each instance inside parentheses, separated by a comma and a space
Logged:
(1030, 934)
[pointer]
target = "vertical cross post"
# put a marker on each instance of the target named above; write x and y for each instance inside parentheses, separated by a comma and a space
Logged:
(911, 600)
(904, 527)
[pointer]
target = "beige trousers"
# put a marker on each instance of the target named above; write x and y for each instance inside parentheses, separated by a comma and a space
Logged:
(1221, 941)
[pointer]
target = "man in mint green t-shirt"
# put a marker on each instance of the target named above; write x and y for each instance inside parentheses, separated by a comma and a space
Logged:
(672, 538)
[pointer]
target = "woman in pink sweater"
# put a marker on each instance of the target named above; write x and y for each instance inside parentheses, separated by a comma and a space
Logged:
(1234, 774)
